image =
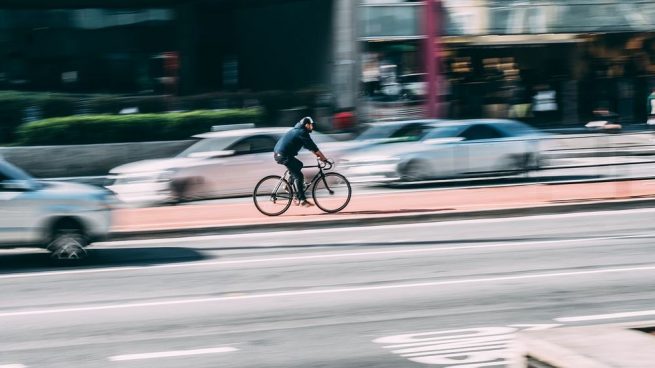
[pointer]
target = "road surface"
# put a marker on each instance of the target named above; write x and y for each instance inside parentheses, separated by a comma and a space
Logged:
(449, 294)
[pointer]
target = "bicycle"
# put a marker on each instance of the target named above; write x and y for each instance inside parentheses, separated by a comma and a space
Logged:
(331, 191)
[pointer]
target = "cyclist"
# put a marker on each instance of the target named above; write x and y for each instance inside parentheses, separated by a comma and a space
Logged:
(287, 148)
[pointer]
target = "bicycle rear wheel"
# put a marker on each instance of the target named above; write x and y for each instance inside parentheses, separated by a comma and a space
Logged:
(272, 195)
(332, 192)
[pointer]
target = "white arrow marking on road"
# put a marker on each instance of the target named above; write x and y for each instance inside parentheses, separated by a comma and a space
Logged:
(461, 348)
(606, 316)
(169, 354)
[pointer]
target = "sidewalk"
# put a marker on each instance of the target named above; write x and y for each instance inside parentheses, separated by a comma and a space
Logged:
(384, 208)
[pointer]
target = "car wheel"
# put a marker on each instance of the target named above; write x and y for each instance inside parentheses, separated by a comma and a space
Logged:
(414, 171)
(518, 163)
(185, 190)
(68, 243)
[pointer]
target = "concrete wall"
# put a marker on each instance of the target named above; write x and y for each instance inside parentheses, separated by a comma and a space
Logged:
(88, 159)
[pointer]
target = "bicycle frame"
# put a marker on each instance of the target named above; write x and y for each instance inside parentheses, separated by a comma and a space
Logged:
(320, 175)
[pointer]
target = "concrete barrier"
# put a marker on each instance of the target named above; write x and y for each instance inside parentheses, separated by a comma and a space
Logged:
(87, 159)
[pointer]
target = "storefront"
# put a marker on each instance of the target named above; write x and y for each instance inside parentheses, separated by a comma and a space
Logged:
(587, 55)
(494, 54)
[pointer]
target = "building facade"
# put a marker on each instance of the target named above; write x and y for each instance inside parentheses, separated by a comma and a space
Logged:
(497, 55)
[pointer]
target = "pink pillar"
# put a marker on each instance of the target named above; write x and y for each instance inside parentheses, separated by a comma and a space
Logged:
(432, 50)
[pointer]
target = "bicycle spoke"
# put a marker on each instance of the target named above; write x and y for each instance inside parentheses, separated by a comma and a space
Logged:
(332, 192)
(272, 195)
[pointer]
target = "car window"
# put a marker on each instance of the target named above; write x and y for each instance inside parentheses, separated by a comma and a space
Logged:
(391, 131)
(443, 132)
(376, 132)
(257, 144)
(9, 171)
(207, 145)
(480, 132)
(411, 132)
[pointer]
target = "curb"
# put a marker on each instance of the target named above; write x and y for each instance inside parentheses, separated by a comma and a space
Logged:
(550, 209)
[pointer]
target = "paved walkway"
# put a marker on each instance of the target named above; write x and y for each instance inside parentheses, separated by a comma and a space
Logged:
(454, 201)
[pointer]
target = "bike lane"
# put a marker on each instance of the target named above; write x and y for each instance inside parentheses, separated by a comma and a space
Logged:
(377, 206)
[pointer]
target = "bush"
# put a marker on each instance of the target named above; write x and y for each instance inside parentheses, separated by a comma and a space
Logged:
(19, 107)
(90, 129)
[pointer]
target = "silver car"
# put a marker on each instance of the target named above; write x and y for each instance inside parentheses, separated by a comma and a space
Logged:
(478, 147)
(63, 218)
(220, 164)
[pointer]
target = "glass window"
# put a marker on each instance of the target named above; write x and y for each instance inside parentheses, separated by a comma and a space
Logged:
(258, 144)
(480, 132)
(501, 17)
(207, 145)
(9, 171)
(391, 21)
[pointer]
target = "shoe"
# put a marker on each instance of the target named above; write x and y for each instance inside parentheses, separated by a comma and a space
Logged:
(306, 203)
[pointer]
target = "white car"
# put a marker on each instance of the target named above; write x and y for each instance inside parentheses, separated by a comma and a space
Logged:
(220, 164)
(451, 149)
(63, 218)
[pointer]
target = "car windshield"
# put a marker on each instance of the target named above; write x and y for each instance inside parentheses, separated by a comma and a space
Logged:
(11, 172)
(444, 132)
(208, 145)
(377, 132)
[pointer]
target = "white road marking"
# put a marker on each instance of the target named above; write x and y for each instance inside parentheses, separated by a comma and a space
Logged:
(12, 366)
(324, 291)
(169, 354)
(564, 242)
(606, 316)
(352, 229)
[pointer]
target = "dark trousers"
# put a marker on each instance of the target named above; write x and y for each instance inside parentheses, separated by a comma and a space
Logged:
(295, 169)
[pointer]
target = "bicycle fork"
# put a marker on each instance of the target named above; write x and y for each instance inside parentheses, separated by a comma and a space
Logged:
(326, 185)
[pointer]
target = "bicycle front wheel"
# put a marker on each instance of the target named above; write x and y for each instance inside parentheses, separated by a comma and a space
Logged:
(332, 192)
(272, 195)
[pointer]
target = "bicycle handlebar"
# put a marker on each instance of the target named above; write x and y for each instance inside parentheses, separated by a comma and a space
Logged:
(327, 165)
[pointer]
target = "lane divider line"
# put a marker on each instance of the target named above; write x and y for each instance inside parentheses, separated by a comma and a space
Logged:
(171, 354)
(323, 256)
(606, 316)
(23, 313)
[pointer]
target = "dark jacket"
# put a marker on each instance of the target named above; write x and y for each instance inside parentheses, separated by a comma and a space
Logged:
(294, 140)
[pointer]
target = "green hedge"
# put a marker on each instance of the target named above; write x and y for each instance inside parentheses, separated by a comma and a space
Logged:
(89, 129)
(14, 105)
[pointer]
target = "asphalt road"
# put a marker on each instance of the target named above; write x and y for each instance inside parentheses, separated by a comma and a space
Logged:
(435, 294)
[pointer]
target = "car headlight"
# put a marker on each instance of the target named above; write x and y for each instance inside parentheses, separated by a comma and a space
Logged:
(165, 176)
(148, 177)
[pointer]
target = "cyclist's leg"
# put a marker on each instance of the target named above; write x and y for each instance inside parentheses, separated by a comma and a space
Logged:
(295, 170)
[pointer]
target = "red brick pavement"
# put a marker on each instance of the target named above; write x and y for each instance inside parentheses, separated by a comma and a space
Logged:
(382, 205)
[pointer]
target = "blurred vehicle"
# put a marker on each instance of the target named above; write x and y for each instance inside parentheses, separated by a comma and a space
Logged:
(413, 86)
(451, 149)
(220, 164)
(63, 218)
(394, 131)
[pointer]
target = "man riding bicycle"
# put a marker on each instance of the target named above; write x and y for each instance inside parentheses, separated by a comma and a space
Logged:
(287, 148)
